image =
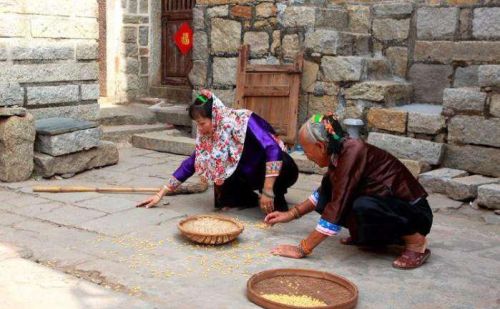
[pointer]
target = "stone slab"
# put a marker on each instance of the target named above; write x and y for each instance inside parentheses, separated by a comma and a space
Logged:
(489, 196)
(12, 111)
(62, 144)
(436, 180)
(172, 114)
(463, 188)
(447, 52)
(104, 154)
(387, 119)
(70, 215)
(416, 167)
(61, 125)
(164, 142)
(437, 23)
(486, 23)
(474, 130)
(489, 75)
(424, 118)
(475, 159)
(464, 99)
(408, 148)
(381, 91)
(348, 68)
(11, 93)
(329, 42)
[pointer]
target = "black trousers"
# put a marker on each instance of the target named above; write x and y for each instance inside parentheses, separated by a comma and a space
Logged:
(236, 191)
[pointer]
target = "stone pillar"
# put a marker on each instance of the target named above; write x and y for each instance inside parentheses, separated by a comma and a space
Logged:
(17, 137)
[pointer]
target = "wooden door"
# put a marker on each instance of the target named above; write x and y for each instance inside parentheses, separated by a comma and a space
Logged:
(175, 66)
(271, 91)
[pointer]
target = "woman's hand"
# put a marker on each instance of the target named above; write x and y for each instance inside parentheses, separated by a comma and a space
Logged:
(289, 251)
(278, 217)
(266, 204)
(150, 202)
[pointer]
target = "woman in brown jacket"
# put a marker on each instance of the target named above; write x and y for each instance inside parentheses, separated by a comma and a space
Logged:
(366, 189)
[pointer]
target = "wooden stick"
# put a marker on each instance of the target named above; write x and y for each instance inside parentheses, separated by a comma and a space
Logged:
(183, 189)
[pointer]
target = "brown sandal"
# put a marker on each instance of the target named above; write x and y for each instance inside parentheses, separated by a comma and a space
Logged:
(411, 259)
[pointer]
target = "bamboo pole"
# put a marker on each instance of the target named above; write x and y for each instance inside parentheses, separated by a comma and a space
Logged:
(183, 189)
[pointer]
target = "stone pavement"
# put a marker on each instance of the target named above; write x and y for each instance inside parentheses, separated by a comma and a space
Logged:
(137, 257)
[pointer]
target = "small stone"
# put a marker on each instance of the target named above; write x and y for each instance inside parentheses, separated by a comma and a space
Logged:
(391, 29)
(242, 11)
(437, 23)
(343, 68)
(489, 75)
(129, 35)
(218, 11)
(489, 196)
(143, 35)
(258, 41)
(463, 188)
(486, 23)
(290, 46)
(299, 16)
(464, 99)
(408, 148)
(466, 77)
(276, 41)
(359, 18)
(398, 57)
(387, 119)
(437, 180)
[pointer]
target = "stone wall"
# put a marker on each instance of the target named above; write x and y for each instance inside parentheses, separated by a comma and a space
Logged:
(48, 57)
(373, 60)
(133, 55)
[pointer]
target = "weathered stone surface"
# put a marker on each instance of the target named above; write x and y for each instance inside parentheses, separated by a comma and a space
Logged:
(362, 43)
(129, 50)
(392, 9)
(398, 57)
(439, 201)
(416, 167)
(332, 18)
(465, 24)
(86, 111)
(437, 180)
(198, 73)
(265, 10)
(466, 187)
(258, 41)
(3, 52)
(45, 51)
(464, 99)
(225, 35)
(475, 159)
(89, 91)
(495, 105)
(348, 68)
(49, 72)
(86, 51)
(218, 11)
(424, 118)
(143, 35)
(242, 11)
(305, 165)
(359, 18)
(474, 130)
(52, 94)
(290, 46)
(224, 70)
(321, 104)
(387, 119)
(309, 76)
(378, 68)
(489, 196)
(160, 141)
(299, 16)
(11, 94)
(489, 75)
(17, 135)
(200, 47)
(61, 144)
(466, 77)
(391, 29)
(328, 88)
(378, 91)
(64, 28)
(226, 96)
(198, 17)
(104, 154)
(58, 125)
(12, 111)
(437, 23)
(276, 43)
(486, 23)
(129, 35)
(429, 81)
(408, 148)
(447, 51)
(329, 42)
(13, 25)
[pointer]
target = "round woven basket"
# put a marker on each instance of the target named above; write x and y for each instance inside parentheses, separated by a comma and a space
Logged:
(218, 238)
(336, 291)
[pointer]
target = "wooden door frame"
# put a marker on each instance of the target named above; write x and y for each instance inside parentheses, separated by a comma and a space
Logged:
(165, 17)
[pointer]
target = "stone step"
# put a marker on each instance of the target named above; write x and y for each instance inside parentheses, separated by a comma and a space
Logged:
(165, 141)
(148, 100)
(424, 118)
(112, 115)
(408, 148)
(305, 165)
(172, 114)
(124, 133)
(381, 91)
(173, 94)
(355, 68)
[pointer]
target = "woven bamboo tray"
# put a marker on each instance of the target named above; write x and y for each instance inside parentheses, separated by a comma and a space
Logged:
(336, 291)
(213, 238)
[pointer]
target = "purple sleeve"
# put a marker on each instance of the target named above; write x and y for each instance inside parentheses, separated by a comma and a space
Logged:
(263, 133)
(186, 169)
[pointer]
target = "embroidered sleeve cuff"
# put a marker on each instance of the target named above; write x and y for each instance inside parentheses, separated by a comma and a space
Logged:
(273, 168)
(173, 183)
(327, 228)
(314, 198)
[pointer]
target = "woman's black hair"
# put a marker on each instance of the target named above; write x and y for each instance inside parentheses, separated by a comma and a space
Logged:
(200, 108)
(335, 141)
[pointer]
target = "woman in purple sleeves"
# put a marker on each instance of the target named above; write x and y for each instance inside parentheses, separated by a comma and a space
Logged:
(239, 152)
